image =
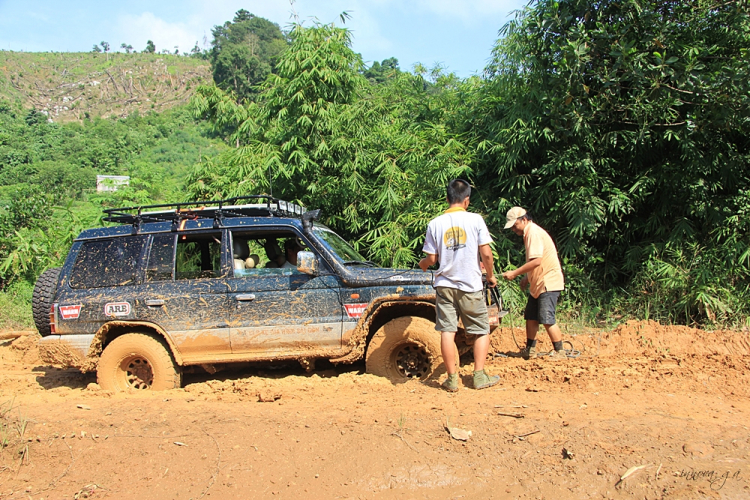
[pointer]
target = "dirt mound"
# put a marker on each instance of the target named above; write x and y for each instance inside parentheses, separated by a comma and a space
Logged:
(24, 349)
(637, 338)
(651, 338)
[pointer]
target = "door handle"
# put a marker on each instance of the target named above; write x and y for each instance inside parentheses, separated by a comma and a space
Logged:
(154, 302)
(245, 296)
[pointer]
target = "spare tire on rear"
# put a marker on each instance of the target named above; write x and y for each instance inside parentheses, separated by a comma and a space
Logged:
(41, 299)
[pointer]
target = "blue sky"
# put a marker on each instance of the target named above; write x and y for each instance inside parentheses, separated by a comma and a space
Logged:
(458, 34)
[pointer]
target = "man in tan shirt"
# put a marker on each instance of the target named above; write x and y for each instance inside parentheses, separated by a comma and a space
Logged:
(544, 278)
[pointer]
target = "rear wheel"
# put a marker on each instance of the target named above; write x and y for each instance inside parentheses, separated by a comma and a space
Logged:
(137, 361)
(404, 349)
(41, 299)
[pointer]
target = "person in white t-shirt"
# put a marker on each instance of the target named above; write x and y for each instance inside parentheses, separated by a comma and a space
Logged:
(459, 240)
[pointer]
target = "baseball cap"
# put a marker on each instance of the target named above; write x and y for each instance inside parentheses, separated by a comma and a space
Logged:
(513, 214)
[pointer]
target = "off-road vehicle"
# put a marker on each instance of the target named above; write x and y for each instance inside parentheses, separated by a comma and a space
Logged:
(206, 284)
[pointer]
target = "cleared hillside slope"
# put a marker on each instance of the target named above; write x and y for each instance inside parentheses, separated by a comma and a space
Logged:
(70, 86)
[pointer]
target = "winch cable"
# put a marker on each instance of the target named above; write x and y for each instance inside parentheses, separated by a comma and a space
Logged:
(570, 352)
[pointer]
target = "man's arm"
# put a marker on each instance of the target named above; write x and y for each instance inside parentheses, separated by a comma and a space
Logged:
(486, 254)
(428, 261)
(526, 268)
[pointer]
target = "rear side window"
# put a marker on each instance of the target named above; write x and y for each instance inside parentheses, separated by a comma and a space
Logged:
(161, 259)
(105, 263)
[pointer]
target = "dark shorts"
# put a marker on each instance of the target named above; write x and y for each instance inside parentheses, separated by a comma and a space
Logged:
(542, 309)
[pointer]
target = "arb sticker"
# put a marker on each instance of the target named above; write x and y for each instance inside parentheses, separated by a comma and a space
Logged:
(117, 309)
(70, 312)
(355, 310)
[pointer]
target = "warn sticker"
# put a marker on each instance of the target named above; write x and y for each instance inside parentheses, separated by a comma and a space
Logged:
(70, 312)
(355, 310)
(117, 309)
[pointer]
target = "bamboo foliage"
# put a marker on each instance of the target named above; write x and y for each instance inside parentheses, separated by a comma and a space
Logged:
(321, 134)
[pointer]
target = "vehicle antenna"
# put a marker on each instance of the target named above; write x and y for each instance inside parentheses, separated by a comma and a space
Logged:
(270, 184)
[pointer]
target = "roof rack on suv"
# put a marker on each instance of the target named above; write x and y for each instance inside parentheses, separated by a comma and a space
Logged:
(217, 210)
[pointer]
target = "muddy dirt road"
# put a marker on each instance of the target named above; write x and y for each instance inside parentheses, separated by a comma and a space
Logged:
(670, 402)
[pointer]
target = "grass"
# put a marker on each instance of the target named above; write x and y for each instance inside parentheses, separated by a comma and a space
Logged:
(13, 433)
(15, 304)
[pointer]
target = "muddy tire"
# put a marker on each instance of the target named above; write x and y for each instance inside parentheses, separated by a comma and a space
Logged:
(42, 297)
(137, 361)
(404, 349)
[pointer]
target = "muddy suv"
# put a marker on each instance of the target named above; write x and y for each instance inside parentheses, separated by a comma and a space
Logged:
(189, 285)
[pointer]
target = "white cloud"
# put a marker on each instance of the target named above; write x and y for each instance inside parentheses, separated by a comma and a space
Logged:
(137, 29)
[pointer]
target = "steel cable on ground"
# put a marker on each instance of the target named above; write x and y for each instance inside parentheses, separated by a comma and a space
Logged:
(570, 352)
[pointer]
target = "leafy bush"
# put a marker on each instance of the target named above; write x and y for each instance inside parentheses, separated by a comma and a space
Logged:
(623, 126)
(15, 304)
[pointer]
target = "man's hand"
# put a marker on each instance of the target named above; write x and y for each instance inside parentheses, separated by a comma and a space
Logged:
(524, 269)
(485, 253)
(428, 261)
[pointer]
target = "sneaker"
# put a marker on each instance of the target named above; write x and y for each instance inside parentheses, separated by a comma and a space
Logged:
(451, 383)
(528, 352)
(558, 355)
(483, 381)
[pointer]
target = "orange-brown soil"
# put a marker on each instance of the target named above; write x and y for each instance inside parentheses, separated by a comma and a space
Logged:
(671, 401)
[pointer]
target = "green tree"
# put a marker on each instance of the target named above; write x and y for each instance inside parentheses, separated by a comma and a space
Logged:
(150, 47)
(624, 126)
(105, 48)
(380, 72)
(197, 53)
(244, 52)
(323, 136)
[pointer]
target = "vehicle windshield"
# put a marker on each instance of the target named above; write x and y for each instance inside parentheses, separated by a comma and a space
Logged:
(339, 246)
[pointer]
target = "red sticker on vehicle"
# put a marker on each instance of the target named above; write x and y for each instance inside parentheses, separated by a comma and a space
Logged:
(117, 309)
(70, 312)
(355, 310)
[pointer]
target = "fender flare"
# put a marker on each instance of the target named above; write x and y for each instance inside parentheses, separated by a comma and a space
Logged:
(355, 340)
(97, 344)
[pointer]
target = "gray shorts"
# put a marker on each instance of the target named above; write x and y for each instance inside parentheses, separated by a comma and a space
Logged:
(452, 302)
(542, 309)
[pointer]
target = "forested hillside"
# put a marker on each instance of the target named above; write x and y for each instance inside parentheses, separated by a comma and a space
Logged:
(76, 86)
(623, 126)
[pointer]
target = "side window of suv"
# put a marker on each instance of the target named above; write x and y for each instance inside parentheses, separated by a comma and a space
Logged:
(110, 262)
(198, 256)
(161, 258)
(261, 254)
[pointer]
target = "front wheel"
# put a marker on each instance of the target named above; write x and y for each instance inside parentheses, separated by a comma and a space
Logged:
(138, 361)
(403, 349)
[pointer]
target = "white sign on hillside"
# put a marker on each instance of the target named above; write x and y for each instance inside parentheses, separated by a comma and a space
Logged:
(111, 182)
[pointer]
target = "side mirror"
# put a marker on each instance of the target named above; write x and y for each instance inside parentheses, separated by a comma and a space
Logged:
(307, 262)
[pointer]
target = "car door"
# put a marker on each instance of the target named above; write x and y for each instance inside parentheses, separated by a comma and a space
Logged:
(281, 312)
(184, 292)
